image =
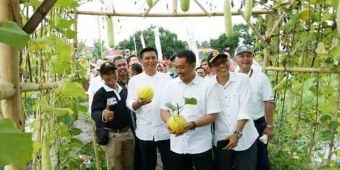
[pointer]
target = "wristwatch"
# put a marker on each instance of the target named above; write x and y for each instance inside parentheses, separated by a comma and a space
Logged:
(193, 125)
(238, 133)
(270, 126)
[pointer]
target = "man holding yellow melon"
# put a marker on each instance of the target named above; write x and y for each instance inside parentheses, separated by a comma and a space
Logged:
(192, 98)
(144, 98)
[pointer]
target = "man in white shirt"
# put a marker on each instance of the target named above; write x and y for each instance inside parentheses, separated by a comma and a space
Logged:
(151, 131)
(262, 101)
(95, 83)
(235, 134)
(191, 147)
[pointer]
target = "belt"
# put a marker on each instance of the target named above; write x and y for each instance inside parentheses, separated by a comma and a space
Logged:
(118, 130)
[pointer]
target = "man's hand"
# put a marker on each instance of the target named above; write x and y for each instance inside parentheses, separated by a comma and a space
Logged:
(188, 126)
(107, 114)
(139, 103)
(233, 141)
(269, 132)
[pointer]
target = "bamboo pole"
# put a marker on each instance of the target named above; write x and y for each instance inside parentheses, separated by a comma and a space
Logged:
(9, 71)
(38, 16)
(26, 87)
(149, 9)
(122, 14)
(303, 69)
(7, 89)
(202, 7)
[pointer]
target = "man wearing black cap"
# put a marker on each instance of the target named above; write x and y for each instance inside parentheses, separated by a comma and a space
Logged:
(111, 115)
(235, 134)
(262, 102)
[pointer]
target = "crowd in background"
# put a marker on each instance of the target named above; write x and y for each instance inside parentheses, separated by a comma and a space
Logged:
(232, 119)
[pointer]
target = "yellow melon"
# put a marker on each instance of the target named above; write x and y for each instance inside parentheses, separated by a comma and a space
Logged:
(177, 123)
(145, 93)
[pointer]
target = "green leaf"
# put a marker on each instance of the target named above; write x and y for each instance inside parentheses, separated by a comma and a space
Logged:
(13, 35)
(15, 146)
(191, 101)
(66, 4)
(73, 89)
(76, 131)
(325, 118)
(321, 49)
(171, 107)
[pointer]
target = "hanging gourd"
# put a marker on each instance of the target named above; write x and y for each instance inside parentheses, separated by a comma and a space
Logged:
(110, 34)
(150, 3)
(227, 19)
(185, 4)
(248, 10)
(45, 155)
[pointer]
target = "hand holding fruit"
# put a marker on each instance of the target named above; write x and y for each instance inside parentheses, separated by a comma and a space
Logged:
(177, 124)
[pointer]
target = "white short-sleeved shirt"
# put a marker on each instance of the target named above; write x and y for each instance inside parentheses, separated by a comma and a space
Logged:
(261, 92)
(95, 84)
(149, 124)
(234, 97)
(198, 140)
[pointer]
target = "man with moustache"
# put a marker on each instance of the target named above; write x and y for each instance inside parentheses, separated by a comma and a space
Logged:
(122, 69)
(192, 147)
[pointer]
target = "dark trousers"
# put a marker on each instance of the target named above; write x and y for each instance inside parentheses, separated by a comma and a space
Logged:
(148, 151)
(234, 160)
(262, 151)
(201, 161)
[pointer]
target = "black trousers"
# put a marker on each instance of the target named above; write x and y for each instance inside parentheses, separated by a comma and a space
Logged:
(201, 161)
(148, 152)
(234, 160)
(262, 151)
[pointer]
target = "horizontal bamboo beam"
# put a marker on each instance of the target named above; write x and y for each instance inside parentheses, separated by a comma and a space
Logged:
(122, 14)
(7, 89)
(26, 87)
(303, 69)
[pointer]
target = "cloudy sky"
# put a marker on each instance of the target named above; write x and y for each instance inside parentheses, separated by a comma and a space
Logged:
(92, 27)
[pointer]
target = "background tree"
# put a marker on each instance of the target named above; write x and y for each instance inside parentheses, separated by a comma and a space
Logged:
(241, 33)
(169, 41)
(97, 51)
(203, 44)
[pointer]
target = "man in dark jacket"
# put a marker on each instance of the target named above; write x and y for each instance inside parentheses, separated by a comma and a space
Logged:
(111, 115)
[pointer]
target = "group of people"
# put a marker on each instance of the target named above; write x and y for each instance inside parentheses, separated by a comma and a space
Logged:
(231, 111)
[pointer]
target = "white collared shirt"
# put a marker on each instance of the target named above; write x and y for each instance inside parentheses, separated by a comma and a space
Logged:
(95, 84)
(261, 92)
(149, 123)
(234, 97)
(198, 140)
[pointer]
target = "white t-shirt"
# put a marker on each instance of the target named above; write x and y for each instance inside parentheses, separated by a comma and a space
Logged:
(149, 123)
(198, 140)
(234, 97)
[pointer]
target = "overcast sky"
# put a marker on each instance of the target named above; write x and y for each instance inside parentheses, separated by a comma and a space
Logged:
(203, 28)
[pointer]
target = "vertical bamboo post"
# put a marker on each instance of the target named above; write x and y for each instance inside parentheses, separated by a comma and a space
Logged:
(9, 71)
